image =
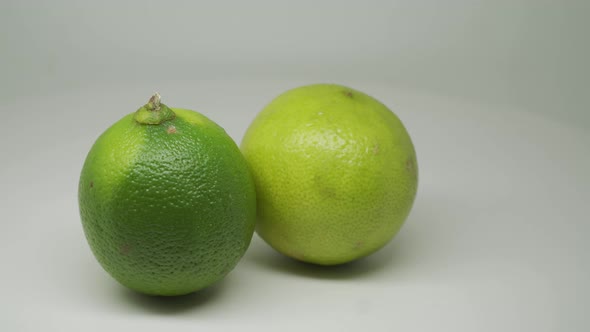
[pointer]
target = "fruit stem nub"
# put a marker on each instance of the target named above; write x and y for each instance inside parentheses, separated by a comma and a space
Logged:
(154, 102)
(154, 112)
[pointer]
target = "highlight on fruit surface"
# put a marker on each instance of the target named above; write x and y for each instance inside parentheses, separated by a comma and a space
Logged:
(166, 200)
(335, 172)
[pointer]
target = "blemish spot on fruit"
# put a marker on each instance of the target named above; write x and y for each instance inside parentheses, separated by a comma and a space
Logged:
(91, 184)
(348, 93)
(171, 130)
(358, 245)
(323, 187)
(376, 149)
(297, 255)
(410, 165)
(125, 248)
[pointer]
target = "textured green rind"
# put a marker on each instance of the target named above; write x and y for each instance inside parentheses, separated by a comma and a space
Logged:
(167, 209)
(335, 171)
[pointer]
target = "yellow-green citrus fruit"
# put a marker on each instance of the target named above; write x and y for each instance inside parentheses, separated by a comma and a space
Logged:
(335, 172)
(167, 202)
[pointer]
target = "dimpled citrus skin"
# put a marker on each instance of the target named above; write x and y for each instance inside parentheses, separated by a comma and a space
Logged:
(167, 209)
(335, 172)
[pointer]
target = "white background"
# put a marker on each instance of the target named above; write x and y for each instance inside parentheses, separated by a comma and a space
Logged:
(493, 93)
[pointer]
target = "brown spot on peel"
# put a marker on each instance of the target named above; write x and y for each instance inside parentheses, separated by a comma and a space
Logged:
(171, 130)
(376, 149)
(91, 184)
(410, 165)
(348, 93)
(125, 248)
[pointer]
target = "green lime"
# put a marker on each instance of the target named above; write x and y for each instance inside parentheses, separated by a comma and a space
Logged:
(335, 172)
(166, 200)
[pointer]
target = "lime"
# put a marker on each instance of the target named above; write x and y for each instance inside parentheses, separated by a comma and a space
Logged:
(335, 172)
(167, 202)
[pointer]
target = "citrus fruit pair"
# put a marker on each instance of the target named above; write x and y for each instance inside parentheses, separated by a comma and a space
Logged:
(169, 204)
